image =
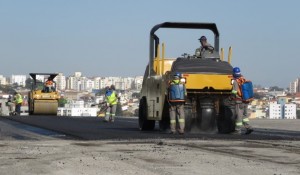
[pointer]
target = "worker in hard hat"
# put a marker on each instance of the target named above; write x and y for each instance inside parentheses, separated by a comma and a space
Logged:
(111, 99)
(204, 48)
(241, 106)
(176, 97)
(49, 85)
(18, 102)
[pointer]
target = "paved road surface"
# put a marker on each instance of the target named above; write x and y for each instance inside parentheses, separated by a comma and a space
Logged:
(93, 128)
(29, 150)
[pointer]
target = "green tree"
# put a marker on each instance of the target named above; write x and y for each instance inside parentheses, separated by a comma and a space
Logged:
(275, 88)
(136, 95)
(257, 96)
(62, 101)
(28, 83)
(7, 89)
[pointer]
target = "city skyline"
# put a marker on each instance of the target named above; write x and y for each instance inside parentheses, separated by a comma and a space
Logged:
(292, 86)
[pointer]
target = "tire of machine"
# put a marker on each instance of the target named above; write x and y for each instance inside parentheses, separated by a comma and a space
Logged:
(188, 117)
(206, 115)
(164, 123)
(144, 123)
(30, 106)
(226, 118)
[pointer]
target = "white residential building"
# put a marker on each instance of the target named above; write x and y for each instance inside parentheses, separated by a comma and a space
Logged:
(275, 111)
(138, 82)
(3, 80)
(18, 79)
(102, 83)
(87, 112)
(295, 86)
(108, 81)
(290, 111)
(76, 82)
(89, 84)
(279, 111)
(120, 85)
(60, 80)
(97, 82)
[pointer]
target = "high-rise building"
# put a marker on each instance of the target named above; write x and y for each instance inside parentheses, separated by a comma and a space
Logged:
(97, 82)
(89, 84)
(3, 80)
(60, 80)
(79, 83)
(73, 82)
(290, 111)
(282, 109)
(138, 81)
(295, 86)
(18, 79)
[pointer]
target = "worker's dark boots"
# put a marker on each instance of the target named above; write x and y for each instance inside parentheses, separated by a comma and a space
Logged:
(237, 131)
(249, 130)
(181, 131)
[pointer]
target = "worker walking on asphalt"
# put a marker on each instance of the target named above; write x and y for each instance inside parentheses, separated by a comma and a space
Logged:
(18, 102)
(205, 47)
(177, 94)
(111, 98)
(240, 105)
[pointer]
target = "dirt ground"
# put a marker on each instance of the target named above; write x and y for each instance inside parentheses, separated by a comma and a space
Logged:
(163, 157)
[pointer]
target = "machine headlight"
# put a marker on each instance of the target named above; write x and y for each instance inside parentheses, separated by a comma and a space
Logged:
(183, 80)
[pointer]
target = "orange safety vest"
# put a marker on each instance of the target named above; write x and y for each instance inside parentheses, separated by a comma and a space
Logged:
(240, 81)
(49, 83)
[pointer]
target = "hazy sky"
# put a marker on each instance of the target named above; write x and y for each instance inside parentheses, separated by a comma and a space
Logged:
(111, 37)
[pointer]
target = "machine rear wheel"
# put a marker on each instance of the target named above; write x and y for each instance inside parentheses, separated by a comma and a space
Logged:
(189, 116)
(226, 119)
(206, 119)
(164, 123)
(144, 123)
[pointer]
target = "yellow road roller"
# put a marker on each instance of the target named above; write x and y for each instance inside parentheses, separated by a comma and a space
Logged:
(208, 83)
(43, 100)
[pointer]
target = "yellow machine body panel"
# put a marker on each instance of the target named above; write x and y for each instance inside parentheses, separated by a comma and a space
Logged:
(161, 66)
(201, 81)
(43, 99)
(39, 95)
(44, 103)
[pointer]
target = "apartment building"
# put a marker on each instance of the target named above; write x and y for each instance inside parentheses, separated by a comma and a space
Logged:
(60, 80)
(3, 80)
(18, 79)
(295, 86)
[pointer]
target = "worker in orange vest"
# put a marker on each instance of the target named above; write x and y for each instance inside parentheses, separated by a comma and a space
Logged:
(49, 85)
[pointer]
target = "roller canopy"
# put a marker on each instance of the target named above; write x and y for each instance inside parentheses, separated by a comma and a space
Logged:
(51, 75)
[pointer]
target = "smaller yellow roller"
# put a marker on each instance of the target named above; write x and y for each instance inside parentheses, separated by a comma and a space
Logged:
(43, 99)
